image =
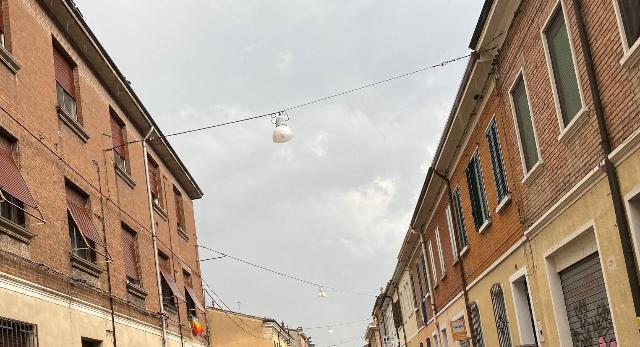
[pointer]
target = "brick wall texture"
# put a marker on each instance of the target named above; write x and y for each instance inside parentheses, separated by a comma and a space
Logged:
(49, 153)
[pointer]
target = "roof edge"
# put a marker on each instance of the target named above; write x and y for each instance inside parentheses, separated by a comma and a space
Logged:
(482, 21)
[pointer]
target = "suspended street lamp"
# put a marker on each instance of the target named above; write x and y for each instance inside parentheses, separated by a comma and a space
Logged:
(322, 293)
(282, 133)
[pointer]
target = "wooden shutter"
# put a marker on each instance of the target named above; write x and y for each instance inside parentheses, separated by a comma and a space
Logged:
(496, 161)
(473, 194)
(179, 206)
(117, 136)
(64, 71)
(564, 71)
(130, 254)
(397, 314)
(154, 177)
(11, 180)
(585, 298)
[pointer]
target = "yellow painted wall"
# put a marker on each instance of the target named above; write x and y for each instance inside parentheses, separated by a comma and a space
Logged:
(247, 331)
(61, 322)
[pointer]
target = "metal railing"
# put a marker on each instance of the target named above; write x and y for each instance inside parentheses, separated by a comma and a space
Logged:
(14, 333)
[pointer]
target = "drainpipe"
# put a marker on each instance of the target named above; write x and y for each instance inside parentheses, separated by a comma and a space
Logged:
(108, 262)
(154, 237)
(624, 231)
(463, 277)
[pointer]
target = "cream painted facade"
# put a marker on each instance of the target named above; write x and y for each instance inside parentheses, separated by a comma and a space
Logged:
(232, 329)
(409, 329)
(63, 320)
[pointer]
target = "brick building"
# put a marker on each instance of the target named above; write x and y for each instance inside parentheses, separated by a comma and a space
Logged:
(539, 170)
(83, 196)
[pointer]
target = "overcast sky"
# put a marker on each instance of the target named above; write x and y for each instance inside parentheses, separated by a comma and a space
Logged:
(331, 206)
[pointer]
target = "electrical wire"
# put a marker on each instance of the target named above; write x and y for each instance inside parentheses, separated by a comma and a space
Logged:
(345, 341)
(308, 103)
(337, 324)
(291, 277)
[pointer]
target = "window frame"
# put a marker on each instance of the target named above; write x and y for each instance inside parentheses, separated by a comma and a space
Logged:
(528, 174)
(443, 270)
(452, 234)
(631, 53)
(566, 130)
(433, 263)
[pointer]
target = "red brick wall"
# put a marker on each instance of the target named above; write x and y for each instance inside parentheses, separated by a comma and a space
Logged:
(49, 152)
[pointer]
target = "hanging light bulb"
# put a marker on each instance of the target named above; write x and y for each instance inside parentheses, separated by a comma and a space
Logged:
(330, 331)
(282, 133)
(322, 293)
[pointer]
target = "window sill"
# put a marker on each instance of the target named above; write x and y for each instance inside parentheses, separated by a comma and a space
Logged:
(484, 226)
(72, 124)
(84, 265)
(136, 290)
(464, 251)
(505, 201)
(572, 128)
(442, 278)
(16, 231)
(126, 177)
(182, 233)
(631, 57)
(533, 173)
(8, 60)
(159, 210)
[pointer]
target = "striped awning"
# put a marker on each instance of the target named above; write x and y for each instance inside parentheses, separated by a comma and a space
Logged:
(172, 285)
(12, 182)
(194, 298)
(82, 217)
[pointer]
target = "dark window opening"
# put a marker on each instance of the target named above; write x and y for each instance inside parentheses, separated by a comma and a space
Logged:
(475, 183)
(12, 209)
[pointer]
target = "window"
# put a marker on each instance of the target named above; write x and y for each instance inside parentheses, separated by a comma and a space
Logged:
(177, 196)
(496, 161)
(65, 83)
(118, 141)
(475, 183)
(500, 315)
(452, 233)
(630, 16)
(524, 310)
(14, 189)
(155, 182)
(425, 272)
(130, 256)
(562, 68)
(526, 131)
(18, 334)
(83, 233)
(433, 262)
(170, 291)
(478, 339)
(457, 205)
(86, 342)
(440, 253)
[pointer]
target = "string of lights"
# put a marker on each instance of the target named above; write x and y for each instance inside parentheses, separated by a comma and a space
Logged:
(291, 277)
(345, 341)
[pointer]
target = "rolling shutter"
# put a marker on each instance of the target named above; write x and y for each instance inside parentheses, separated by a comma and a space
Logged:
(117, 136)
(130, 254)
(11, 180)
(194, 298)
(82, 216)
(179, 206)
(154, 177)
(64, 72)
(585, 298)
(172, 285)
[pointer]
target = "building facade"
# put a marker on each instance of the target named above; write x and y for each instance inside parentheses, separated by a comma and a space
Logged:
(233, 329)
(98, 243)
(526, 229)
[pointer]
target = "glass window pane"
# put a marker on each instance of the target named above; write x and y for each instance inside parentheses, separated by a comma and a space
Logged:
(525, 125)
(630, 11)
(563, 69)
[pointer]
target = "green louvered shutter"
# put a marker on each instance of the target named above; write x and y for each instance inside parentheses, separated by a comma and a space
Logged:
(496, 161)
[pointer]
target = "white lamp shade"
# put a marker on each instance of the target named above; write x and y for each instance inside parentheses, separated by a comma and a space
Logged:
(282, 133)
